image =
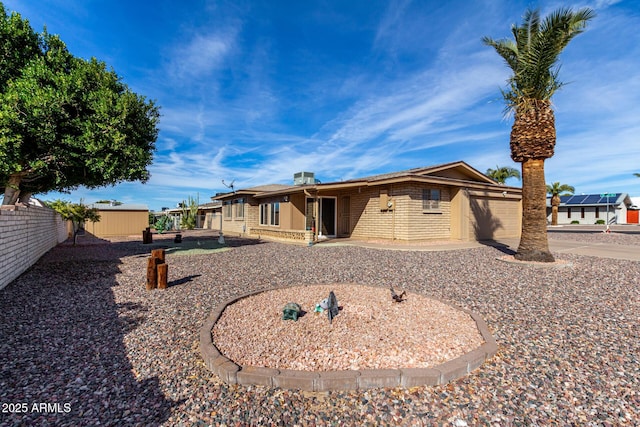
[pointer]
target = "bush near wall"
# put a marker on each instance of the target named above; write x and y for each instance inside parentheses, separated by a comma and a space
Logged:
(26, 233)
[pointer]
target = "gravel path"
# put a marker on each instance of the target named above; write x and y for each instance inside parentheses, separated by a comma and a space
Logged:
(80, 334)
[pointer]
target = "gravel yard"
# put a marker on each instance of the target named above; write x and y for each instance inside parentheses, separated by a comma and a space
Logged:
(83, 343)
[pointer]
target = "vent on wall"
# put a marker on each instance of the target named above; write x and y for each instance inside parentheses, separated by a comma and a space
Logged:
(304, 178)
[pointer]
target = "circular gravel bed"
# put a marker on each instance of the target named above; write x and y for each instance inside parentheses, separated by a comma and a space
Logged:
(371, 331)
(79, 328)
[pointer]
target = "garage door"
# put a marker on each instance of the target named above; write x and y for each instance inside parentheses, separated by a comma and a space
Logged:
(494, 218)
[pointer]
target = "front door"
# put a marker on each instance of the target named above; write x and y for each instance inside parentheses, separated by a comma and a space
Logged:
(328, 216)
(344, 225)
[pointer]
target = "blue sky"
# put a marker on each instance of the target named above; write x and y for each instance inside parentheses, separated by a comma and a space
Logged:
(254, 91)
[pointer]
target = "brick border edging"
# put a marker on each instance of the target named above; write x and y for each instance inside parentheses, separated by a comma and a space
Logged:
(232, 373)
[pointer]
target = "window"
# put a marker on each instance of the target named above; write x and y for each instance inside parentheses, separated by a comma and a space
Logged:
(275, 214)
(597, 212)
(264, 213)
(226, 210)
(568, 213)
(239, 208)
(270, 213)
(430, 199)
(582, 213)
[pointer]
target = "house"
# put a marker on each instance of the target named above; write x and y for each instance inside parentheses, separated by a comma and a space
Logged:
(608, 208)
(449, 201)
(118, 220)
(207, 216)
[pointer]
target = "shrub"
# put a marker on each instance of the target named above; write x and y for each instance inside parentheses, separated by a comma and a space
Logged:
(575, 221)
(600, 222)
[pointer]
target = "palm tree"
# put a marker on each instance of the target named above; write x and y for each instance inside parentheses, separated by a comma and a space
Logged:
(533, 57)
(501, 174)
(637, 174)
(555, 189)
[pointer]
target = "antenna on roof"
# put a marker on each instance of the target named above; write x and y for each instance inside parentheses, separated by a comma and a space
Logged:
(229, 185)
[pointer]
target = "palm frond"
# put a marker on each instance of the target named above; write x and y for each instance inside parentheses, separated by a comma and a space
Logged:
(534, 51)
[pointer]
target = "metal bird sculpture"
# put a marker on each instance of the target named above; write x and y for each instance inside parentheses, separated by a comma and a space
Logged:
(396, 297)
(332, 303)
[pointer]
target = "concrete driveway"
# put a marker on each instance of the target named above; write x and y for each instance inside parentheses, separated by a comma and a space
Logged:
(597, 249)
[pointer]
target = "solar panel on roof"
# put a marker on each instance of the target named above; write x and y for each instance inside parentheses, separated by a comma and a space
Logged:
(591, 199)
(579, 199)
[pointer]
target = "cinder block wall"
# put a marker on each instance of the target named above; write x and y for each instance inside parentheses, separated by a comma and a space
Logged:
(26, 233)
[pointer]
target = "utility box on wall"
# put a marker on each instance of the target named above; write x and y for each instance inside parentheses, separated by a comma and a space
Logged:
(386, 201)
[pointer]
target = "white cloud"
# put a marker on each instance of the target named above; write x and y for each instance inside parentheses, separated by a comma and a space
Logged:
(202, 55)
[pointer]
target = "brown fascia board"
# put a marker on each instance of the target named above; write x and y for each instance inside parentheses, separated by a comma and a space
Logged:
(285, 191)
(234, 194)
(419, 178)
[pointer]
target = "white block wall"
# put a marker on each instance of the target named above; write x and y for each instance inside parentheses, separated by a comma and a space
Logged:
(26, 233)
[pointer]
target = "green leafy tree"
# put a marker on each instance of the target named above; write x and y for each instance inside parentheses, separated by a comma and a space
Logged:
(66, 121)
(556, 190)
(533, 56)
(77, 213)
(637, 174)
(501, 174)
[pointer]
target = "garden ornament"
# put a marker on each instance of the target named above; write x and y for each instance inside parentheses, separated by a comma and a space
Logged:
(396, 297)
(291, 311)
(332, 306)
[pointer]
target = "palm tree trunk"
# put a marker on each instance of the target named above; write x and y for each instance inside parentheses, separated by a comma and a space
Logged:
(555, 202)
(533, 241)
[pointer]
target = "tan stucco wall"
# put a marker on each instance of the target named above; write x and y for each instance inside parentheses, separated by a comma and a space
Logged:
(119, 223)
(494, 216)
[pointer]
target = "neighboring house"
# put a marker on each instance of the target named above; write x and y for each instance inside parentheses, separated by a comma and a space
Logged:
(450, 201)
(208, 216)
(633, 211)
(119, 220)
(590, 208)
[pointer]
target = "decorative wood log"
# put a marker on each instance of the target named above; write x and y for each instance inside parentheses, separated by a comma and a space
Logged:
(163, 270)
(152, 274)
(158, 254)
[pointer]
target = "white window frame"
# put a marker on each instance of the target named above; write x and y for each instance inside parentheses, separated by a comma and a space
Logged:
(264, 213)
(274, 212)
(431, 198)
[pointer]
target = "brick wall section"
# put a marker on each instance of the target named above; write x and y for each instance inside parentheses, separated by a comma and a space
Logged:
(407, 221)
(26, 233)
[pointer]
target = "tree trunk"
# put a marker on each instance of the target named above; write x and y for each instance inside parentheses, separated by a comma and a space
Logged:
(533, 241)
(555, 202)
(24, 197)
(12, 189)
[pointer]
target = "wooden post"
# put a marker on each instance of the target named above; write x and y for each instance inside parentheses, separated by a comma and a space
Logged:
(158, 254)
(152, 274)
(157, 270)
(163, 270)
